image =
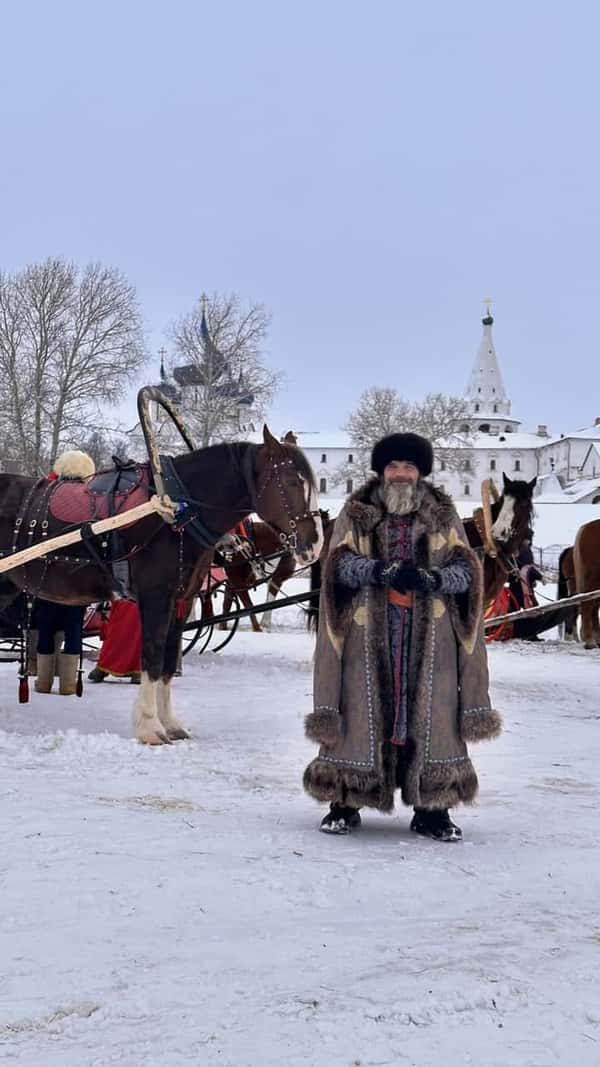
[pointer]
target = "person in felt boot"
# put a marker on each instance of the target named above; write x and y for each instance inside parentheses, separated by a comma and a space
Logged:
(401, 679)
(50, 619)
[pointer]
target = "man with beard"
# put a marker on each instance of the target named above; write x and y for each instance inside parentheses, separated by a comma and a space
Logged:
(401, 680)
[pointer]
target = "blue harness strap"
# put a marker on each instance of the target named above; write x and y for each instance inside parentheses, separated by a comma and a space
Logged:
(188, 514)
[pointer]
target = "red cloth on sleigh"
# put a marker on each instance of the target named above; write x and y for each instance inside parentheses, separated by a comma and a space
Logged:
(121, 634)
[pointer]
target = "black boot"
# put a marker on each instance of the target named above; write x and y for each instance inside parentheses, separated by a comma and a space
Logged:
(340, 819)
(96, 675)
(435, 824)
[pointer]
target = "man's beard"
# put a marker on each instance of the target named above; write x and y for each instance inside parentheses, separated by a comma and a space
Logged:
(401, 497)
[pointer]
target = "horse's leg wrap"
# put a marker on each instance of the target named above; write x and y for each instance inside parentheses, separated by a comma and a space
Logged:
(266, 619)
(147, 726)
(172, 727)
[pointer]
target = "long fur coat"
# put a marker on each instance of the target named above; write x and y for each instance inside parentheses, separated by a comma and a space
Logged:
(353, 686)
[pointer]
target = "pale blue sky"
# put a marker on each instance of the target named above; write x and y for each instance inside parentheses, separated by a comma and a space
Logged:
(370, 173)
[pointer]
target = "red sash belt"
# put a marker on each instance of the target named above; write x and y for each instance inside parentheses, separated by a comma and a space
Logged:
(401, 600)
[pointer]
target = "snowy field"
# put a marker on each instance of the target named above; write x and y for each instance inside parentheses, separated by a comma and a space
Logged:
(176, 906)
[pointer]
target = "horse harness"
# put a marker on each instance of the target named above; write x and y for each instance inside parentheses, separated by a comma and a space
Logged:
(189, 511)
(289, 540)
(105, 494)
(110, 491)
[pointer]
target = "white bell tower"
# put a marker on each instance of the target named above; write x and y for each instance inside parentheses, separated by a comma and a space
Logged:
(485, 392)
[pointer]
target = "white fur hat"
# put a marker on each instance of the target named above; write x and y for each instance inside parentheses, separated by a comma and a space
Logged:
(74, 464)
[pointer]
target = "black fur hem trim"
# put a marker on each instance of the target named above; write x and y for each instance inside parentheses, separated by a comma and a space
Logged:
(360, 789)
(480, 724)
(444, 785)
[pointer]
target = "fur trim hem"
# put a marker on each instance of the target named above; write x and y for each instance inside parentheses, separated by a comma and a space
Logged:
(323, 726)
(480, 724)
(327, 782)
(444, 785)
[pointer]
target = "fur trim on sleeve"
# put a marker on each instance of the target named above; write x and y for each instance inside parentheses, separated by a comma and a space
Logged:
(323, 726)
(480, 724)
(466, 608)
(338, 598)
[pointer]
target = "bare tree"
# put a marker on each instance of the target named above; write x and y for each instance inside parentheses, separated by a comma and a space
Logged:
(102, 445)
(223, 373)
(70, 341)
(382, 411)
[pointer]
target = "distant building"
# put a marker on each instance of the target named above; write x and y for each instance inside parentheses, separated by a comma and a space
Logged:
(567, 467)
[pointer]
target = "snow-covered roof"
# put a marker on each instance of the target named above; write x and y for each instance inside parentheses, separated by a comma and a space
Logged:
(492, 416)
(572, 494)
(513, 441)
(323, 440)
(589, 433)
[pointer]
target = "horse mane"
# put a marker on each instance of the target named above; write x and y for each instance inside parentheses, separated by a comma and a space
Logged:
(238, 451)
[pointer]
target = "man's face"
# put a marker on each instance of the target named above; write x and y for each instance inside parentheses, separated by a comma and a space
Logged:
(400, 470)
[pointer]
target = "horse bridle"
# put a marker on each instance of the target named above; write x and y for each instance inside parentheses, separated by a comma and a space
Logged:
(288, 540)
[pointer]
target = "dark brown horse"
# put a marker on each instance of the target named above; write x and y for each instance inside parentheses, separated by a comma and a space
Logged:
(220, 486)
(511, 525)
(566, 588)
(586, 563)
(265, 566)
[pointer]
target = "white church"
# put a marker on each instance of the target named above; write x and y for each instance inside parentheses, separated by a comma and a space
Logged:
(567, 467)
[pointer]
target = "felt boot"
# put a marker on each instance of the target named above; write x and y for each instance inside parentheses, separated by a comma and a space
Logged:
(45, 672)
(67, 674)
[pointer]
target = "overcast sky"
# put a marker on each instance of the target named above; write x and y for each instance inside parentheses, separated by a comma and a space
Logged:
(369, 172)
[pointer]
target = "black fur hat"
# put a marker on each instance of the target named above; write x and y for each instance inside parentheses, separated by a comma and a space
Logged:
(410, 447)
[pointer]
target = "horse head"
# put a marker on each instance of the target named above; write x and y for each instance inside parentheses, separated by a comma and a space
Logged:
(512, 513)
(287, 499)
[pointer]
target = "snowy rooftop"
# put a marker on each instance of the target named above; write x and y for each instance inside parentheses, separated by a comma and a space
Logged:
(512, 441)
(587, 433)
(571, 494)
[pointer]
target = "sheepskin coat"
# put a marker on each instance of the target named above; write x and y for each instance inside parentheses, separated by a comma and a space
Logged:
(449, 701)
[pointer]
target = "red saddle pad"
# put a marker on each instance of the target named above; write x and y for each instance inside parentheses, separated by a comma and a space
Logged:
(77, 502)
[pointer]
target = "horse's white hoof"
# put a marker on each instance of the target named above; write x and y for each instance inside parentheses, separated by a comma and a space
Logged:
(156, 738)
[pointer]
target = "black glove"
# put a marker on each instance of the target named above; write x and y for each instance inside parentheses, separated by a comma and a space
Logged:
(409, 578)
(383, 573)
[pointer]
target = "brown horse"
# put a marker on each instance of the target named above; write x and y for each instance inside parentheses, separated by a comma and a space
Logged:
(586, 563)
(218, 487)
(511, 525)
(266, 565)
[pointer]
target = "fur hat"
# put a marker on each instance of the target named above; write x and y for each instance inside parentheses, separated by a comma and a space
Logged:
(410, 447)
(74, 464)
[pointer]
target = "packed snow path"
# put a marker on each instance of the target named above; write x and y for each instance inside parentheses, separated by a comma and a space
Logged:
(176, 906)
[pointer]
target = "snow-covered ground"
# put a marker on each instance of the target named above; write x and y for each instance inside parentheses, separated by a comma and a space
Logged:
(176, 906)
